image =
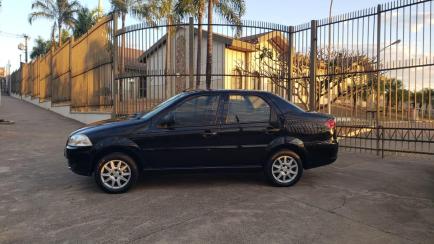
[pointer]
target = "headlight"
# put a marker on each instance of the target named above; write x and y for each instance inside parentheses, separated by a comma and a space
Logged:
(79, 140)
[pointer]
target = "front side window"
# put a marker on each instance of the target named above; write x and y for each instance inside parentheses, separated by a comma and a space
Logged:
(157, 109)
(198, 111)
(247, 109)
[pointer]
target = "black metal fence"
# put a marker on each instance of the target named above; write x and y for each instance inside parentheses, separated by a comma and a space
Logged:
(156, 61)
(371, 68)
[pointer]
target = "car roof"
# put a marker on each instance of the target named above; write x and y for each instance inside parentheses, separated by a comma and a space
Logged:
(227, 91)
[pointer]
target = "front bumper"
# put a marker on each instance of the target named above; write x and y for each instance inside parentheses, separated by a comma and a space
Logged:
(321, 153)
(80, 160)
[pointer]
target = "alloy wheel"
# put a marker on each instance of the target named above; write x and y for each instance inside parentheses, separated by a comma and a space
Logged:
(285, 169)
(115, 174)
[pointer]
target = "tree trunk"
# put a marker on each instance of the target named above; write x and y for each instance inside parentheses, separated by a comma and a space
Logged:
(122, 58)
(199, 46)
(209, 46)
(60, 34)
(53, 38)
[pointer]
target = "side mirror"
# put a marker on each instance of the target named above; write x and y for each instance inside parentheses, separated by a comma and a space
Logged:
(167, 121)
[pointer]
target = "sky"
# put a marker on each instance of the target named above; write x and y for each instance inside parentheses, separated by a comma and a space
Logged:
(14, 18)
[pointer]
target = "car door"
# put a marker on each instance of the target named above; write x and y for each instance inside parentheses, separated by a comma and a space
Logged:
(190, 138)
(247, 128)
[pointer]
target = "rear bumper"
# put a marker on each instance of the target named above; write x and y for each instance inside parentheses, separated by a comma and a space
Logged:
(79, 160)
(321, 153)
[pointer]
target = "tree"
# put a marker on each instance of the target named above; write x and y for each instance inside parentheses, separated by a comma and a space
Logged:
(232, 11)
(195, 8)
(61, 12)
(65, 36)
(85, 20)
(353, 77)
(40, 48)
(123, 7)
(159, 10)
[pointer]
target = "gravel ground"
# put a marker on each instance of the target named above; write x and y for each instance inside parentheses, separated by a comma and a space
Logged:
(358, 199)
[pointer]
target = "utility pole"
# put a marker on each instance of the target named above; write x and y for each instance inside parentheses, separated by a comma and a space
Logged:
(8, 77)
(24, 47)
(26, 38)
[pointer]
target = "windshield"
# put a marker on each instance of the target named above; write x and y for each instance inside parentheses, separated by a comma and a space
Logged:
(163, 105)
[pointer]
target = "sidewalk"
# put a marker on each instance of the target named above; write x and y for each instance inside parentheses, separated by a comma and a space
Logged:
(359, 199)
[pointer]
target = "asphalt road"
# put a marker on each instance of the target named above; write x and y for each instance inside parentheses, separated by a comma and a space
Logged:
(359, 199)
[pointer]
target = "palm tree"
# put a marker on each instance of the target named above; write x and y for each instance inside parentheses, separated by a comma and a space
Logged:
(40, 48)
(123, 7)
(61, 12)
(197, 9)
(232, 11)
(156, 10)
(85, 20)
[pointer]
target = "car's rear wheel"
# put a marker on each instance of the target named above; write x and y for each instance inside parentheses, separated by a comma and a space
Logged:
(284, 168)
(116, 173)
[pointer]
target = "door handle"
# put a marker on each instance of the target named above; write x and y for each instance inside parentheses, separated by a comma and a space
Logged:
(271, 130)
(209, 133)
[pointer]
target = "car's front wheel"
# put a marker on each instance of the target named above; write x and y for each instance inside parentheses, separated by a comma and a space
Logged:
(116, 173)
(284, 168)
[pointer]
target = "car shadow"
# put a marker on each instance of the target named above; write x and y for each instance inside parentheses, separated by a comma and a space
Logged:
(202, 178)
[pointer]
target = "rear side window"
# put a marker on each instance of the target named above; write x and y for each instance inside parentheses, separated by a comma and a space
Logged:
(285, 106)
(247, 109)
(198, 111)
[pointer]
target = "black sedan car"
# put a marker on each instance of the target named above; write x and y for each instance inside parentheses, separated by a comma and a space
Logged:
(206, 130)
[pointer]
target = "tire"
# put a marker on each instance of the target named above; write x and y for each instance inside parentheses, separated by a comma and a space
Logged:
(289, 172)
(116, 173)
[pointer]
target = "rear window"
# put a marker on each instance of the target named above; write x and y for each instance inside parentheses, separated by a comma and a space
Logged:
(285, 106)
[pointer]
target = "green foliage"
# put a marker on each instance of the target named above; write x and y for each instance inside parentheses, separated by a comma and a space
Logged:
(152, 11)
(60, 12)
(40, 48)
(65, 36)
(85, 20)
(122, 6)
(231, 10)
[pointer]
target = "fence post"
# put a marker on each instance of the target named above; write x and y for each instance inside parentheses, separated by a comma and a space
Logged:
(312, 65)
(51, 75)
(70, 71)
(382, 141)
(290, 61)
(191, 53)
(114, 64)
(377, 117)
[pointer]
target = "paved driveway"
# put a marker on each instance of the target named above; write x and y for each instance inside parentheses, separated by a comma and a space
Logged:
(359, 199)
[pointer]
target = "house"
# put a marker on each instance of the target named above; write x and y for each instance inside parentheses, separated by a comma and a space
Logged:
(236, 62)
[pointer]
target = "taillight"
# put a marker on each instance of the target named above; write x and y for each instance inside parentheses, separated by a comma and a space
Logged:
(331, 124)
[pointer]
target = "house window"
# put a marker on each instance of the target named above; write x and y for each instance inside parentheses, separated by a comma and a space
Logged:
(237, 79)
(256, 81)
(142, 87)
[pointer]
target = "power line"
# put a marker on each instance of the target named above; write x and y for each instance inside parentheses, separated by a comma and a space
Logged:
(12, 35)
